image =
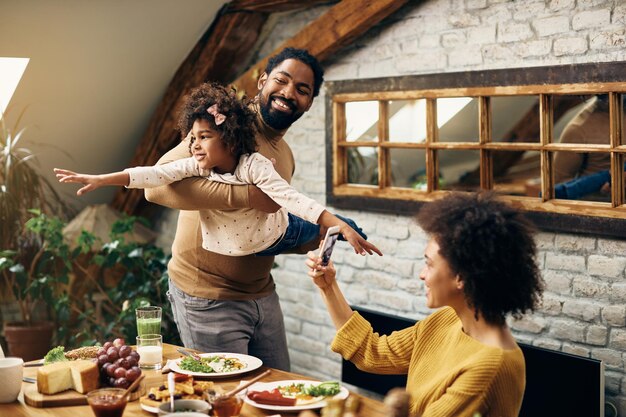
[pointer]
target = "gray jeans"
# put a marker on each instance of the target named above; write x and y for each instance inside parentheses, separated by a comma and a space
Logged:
(251, 327)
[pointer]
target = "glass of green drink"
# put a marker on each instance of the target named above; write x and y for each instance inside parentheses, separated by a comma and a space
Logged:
(148, 320)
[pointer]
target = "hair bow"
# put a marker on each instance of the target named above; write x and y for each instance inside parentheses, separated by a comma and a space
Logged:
(219, 117)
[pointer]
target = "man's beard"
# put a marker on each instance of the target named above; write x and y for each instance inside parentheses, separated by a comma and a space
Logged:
(275, 118)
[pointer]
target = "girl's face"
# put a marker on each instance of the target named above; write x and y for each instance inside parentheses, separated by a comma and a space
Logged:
(443, 287)
(208, 148)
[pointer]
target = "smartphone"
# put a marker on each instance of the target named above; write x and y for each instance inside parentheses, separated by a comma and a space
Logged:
(329, 243)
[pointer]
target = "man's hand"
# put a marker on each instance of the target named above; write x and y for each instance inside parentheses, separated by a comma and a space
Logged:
(261, 201)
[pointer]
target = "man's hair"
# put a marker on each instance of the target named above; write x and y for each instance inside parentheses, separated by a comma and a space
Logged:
(238, 129)
(303, 56)
(490, 246)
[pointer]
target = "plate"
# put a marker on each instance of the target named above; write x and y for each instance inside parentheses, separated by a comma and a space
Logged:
(268, 386)
(251, 363)
(153, 410)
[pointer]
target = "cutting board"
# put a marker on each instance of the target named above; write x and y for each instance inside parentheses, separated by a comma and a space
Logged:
(70, 397)
(63, 399)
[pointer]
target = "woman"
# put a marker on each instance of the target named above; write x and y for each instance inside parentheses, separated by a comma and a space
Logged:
(479, 267)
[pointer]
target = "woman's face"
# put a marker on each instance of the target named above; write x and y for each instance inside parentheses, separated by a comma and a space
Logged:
(443, 287)
(208, 148)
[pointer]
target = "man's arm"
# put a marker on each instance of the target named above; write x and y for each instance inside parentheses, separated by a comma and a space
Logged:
(198, 193)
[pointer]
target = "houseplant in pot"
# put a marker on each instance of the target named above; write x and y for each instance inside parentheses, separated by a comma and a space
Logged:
(23, 260)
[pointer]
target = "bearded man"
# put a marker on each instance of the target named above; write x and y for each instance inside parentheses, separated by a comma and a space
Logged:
(224, 303)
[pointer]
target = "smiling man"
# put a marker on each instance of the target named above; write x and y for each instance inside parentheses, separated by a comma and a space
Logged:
(223, 303)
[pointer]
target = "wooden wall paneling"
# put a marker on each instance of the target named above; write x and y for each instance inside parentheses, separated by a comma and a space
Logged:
(432, 135)
(545, 135)
(616, 128)
(484, 137)
(217, 57)
(384, 165)
(340, 160)
(335, 29)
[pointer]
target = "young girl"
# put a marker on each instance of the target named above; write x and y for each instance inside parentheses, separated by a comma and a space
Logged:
(223, 148)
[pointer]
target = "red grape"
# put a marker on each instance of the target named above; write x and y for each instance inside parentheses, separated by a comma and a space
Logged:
(113, 353)
(107, 345)
(125, 363)
(121, 383)
(101, 351)
(102, 359)
(131, 361)
(120, 373)
(133, 373)
(118, 342)
(111, 369)
(124, 351)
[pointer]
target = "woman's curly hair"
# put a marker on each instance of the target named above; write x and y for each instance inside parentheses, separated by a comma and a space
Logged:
(239, 128)
(490, 246)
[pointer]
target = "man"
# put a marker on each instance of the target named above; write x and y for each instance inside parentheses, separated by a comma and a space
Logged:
(223, 303)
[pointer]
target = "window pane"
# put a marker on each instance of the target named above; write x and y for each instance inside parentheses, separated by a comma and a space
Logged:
(455, 167)
(407, 121)
(408, 168)
(515, 119)
(362, 166)
(517, 173)
(362, 121)
(457, 119)
(581, 119)
(587, 185)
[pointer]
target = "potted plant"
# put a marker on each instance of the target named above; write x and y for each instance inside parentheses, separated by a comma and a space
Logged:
(23, 187)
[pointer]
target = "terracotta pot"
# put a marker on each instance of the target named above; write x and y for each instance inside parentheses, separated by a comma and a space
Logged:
(28, 342)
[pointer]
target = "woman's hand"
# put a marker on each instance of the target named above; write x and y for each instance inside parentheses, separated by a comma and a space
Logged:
(323, 276)
(91, 181)
(360, 245)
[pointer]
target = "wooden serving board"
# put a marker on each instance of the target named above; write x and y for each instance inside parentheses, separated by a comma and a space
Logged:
(70, 397)
(34, 398)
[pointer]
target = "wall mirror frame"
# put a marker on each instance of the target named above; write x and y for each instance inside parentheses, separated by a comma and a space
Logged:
(394, 143)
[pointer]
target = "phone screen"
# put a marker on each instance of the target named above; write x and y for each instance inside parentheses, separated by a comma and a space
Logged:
(329, 244)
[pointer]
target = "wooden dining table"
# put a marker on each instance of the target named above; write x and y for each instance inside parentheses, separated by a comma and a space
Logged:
(19, 408)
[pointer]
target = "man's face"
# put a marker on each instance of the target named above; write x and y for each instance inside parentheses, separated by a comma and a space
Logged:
(286, 93)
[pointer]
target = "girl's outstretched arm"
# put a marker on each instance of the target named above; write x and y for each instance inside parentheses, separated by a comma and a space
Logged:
(92, 182)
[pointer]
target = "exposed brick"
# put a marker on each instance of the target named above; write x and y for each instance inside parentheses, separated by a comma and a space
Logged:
(591, 19)
(582, 310)
(377, 279)
(576, 350)
(562, 262)
(305, 344)
(551, 304)
(453, 39)
(614, 315)
(526, 10)
(574, 243)
(606, 267)
(463, 20)
(497, 53)
(570, 46)
(292, 325)
(401, 267)
(481, 35)
(568, 330)
(611, 358)
(311, 330)
(545, 240)
(475, 4)
(462, 57)
(608, 40)
(496, 14)
(588, 288)
(558, 5)
(618, 292)
(596, 335)
(391, 299)
(513, 32)
(612, 382)
(429, 40)
(534, 48)
(393, 229)
(548, 344)
(412, 285)
(357, 294)
(558, 282)
(531, 324)
(618, 339)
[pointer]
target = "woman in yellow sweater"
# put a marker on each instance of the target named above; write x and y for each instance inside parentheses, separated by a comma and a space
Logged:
(479, 267)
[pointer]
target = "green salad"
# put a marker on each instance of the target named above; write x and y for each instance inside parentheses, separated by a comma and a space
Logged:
(211, 364)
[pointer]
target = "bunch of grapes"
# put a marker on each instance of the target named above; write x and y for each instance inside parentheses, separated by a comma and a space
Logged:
(118, 363)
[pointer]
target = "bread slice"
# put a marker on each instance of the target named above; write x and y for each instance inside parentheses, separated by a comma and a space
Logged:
(81, 375)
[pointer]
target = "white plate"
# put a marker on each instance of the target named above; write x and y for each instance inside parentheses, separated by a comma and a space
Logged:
(251, 363)
(268, 386)
(153, 410)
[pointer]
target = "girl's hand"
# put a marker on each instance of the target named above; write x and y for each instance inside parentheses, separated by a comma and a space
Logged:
(92, 181)
(323, 276)
(360, 245)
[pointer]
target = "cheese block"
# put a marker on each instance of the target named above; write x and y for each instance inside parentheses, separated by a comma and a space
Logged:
(81, 375)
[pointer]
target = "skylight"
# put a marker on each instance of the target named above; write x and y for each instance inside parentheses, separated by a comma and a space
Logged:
(11, 71)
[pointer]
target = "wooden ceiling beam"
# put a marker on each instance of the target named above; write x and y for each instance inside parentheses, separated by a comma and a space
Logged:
(335, 29)
(275, 6)
(216, 57)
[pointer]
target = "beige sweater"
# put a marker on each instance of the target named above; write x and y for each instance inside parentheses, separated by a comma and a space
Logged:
(207, 274)
(449, 372)
(242, 231)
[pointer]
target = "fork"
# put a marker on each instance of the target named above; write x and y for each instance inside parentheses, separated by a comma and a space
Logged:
(189, 353)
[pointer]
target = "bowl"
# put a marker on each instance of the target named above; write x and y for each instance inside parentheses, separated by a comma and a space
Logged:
(191, 406)
(185, 414)
(107, 402)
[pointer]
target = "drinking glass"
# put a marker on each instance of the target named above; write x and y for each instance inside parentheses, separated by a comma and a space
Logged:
(150, 349)
(148, 320)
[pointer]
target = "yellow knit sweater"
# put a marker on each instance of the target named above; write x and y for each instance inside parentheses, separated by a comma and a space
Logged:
(450, 374)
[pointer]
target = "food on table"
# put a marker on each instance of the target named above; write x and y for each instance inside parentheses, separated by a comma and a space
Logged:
(211, 364)
(185, 388)
(56, 354)
(107, 402)
(118, 364)
(223, 406)
(85, 352)
(80, 375)
(296, 394)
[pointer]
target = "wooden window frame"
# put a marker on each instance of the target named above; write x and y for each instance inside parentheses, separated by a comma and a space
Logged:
(573, 216)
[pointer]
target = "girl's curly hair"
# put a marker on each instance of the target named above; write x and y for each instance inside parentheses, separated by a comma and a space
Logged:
(239, 128)
(490, 246)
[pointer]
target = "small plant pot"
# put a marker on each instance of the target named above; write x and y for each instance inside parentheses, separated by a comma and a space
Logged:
(29, 342)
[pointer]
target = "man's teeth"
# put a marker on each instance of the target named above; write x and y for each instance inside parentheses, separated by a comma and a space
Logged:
(281, 104)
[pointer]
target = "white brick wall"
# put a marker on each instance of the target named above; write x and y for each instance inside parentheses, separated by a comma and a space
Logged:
(583, 310)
